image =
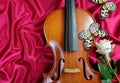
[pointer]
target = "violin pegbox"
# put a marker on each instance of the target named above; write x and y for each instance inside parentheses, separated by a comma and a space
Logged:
(88, 35)
(107, 7)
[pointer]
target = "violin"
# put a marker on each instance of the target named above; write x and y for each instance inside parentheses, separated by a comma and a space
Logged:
(61, 29)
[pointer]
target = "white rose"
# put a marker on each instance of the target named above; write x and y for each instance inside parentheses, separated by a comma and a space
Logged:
(104, 47)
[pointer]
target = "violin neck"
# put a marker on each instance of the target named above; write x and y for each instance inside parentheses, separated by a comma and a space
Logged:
(71, 37)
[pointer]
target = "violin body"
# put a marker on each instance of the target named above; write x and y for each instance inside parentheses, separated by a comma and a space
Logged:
(71, 66)
(72, 59)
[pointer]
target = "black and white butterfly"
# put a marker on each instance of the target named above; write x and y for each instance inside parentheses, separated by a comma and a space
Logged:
(107, 7)
(88, 35)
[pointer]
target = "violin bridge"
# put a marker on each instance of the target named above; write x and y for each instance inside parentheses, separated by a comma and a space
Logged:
(74, 70)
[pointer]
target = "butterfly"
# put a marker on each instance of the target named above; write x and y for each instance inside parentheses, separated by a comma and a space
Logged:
(89, 34)
(107, 7)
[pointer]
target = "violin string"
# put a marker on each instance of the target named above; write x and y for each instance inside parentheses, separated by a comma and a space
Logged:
(66, 54)
(70, 61)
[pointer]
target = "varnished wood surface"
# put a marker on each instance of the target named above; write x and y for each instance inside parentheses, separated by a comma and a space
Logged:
(54, 30)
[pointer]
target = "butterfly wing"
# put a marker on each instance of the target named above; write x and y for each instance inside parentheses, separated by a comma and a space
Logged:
(99, 1)
(107, 8)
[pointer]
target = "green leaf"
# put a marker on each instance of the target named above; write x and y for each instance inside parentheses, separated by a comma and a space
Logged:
(105, 73)
(113, 75)
(107, 81)
(101, 58)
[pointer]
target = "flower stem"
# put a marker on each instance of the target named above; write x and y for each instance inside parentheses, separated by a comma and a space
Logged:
(108, 60)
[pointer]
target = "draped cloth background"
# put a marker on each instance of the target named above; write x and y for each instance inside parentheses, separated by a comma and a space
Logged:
(23, 56)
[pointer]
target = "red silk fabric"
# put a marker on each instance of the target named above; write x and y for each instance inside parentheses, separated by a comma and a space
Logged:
(23, 56)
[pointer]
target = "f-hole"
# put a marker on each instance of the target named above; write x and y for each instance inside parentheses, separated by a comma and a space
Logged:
(84, 69)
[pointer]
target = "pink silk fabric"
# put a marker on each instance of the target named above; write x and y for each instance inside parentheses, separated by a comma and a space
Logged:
(23, 56)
